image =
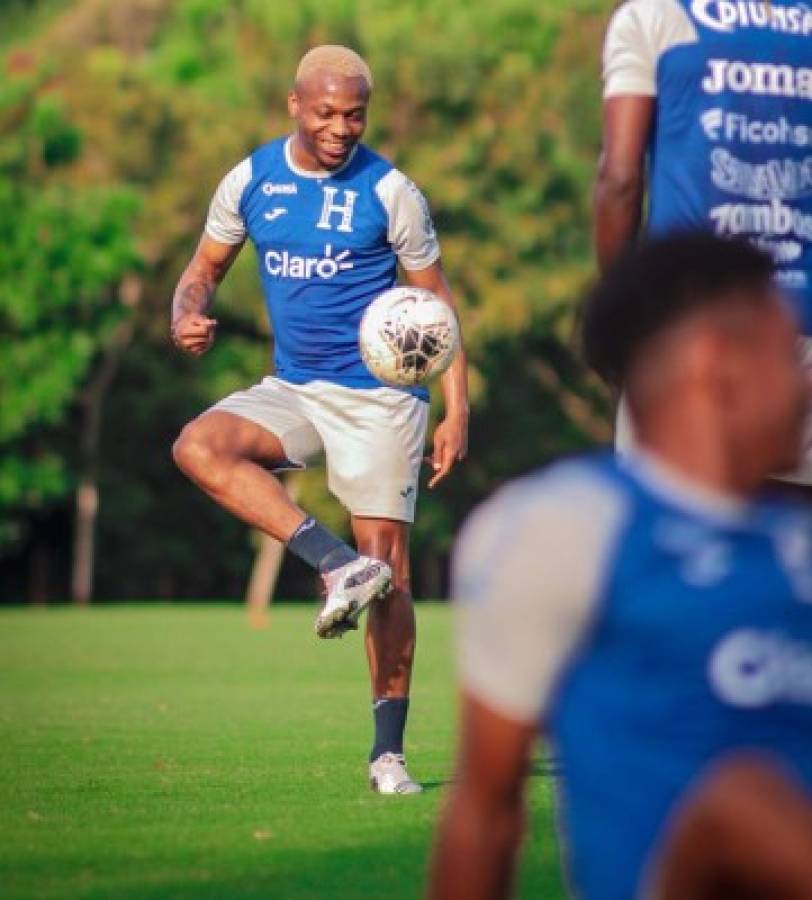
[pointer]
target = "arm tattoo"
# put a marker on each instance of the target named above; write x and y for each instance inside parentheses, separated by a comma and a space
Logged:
(195, 297)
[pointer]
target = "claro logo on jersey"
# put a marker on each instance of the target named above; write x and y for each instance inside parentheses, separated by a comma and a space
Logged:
(728, 15)
(282, 264)
(751, 668)
(760, 79)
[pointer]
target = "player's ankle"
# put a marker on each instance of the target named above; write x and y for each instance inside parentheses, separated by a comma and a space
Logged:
(320, 548)
(389, 714)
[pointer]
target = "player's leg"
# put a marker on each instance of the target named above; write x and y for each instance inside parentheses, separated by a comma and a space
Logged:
(743, 833)
(390, 636)
(373, 440)
(229, 452)
(374, 443)
(230, 458)
(390, 646)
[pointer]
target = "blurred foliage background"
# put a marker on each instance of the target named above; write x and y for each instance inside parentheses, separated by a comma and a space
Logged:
(117, 120)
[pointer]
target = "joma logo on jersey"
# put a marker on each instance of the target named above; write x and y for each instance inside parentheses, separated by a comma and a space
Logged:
(728, 15)
(281, 264)
(269, 189)
(763, 79)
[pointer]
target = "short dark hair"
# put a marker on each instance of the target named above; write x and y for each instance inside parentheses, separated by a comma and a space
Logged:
(656, 283)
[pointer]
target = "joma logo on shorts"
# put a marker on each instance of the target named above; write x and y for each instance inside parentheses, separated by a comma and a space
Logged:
(763, 79)
(281, 264)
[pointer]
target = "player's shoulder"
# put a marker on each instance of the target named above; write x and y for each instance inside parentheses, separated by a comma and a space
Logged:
(367, 165)
(650, 11)
(568, 498)
(257, 163)
(656, 20)
(386, 176)
(265, 158)
(593, 475)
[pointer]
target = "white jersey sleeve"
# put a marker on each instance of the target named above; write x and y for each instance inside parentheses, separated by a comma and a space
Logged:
(411, 230)
(639, 33)
(224, 222)
(528, 570)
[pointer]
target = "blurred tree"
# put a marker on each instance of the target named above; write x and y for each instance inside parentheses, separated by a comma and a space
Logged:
(491, 108)
(64, 255)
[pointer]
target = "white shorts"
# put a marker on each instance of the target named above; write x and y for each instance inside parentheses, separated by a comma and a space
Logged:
(624, 433)
(372, 439)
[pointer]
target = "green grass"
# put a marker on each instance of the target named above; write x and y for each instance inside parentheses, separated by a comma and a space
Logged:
(172, 751)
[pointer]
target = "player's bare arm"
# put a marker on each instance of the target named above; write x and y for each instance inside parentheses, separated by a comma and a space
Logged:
(745, 829)
(482, 824)
(192, 329)
(450, 441)
(619, 186)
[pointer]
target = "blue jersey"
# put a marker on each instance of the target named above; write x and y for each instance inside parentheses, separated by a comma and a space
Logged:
(731, 147)
(327, 244)
(652, 629)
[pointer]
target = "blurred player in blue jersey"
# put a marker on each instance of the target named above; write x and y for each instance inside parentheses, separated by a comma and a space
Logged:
(650, 614)
(708, 115)
(330, 221)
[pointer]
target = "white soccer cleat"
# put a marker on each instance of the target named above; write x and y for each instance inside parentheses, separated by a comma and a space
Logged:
(388, 775)
(350, 590)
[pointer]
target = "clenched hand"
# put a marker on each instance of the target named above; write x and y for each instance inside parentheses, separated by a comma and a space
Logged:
(193, 333)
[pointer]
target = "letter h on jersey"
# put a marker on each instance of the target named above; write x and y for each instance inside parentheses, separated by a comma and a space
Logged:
(330, 207)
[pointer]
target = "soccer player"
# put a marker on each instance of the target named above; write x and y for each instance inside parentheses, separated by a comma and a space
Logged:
(651, 615)
(330, 221)
(707, 113)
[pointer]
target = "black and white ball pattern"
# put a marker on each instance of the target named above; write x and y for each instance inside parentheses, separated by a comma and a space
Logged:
(408, 335)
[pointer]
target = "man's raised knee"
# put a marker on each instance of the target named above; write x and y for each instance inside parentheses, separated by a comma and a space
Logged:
(193, 453)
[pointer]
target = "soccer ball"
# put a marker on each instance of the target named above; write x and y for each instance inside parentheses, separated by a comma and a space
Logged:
(408, 335)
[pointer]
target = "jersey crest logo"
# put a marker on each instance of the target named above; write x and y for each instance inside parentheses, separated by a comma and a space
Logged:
(331, 207)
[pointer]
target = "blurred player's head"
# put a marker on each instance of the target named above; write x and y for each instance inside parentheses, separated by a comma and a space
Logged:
(694, 330)
(329, 103)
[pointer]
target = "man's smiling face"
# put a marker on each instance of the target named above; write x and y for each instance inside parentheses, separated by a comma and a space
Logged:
(330, 112)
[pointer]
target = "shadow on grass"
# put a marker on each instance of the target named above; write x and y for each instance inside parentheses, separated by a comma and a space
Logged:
(539, 768)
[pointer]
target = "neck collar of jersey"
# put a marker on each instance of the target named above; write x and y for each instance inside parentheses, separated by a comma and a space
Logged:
(679, 489)
(314, 173)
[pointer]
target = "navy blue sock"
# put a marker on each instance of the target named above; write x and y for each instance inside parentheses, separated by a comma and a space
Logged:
(319, 548)
(390, 723)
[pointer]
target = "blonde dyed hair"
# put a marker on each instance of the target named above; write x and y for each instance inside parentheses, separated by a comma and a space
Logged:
(336, 60)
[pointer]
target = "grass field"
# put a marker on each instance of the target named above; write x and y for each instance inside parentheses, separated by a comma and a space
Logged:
(172, 751)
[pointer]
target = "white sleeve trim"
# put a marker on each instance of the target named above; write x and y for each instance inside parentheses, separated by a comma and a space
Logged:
(225, 223)
(639, 33)
(528, 572)
(411, 230)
